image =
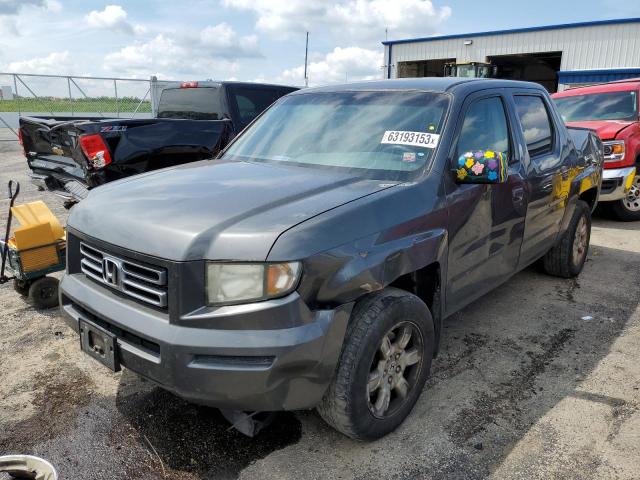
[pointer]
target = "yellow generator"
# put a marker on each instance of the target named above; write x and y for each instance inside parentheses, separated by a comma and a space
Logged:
(36, 249)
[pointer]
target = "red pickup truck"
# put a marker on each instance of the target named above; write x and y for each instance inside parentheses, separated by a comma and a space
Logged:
(611, 110)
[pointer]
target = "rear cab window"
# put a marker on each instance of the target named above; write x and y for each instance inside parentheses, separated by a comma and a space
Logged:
(195, 103)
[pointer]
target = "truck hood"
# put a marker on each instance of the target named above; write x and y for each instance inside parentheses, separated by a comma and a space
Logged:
(212, 209)
(606, 129)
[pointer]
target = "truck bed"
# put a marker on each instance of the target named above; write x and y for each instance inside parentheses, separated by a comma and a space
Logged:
(56, 159)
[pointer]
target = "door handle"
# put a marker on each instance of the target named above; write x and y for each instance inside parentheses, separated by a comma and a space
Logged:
(517, 194)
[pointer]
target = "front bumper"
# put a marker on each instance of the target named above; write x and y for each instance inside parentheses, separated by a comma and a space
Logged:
(616, 183)
(251, 370)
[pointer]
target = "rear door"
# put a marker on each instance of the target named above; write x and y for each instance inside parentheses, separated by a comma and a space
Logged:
(486, 222)
(545, 176)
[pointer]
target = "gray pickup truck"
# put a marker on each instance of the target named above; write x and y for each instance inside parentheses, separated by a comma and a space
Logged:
(311, 265)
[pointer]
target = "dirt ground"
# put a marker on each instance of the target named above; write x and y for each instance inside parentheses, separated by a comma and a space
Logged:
(539, 379)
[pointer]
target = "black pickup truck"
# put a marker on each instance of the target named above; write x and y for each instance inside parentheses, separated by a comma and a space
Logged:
(195, 120)
(312, 264)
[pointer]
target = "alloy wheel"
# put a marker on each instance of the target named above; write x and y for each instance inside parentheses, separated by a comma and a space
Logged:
(395, 369)
(580, 241)
(632, 200)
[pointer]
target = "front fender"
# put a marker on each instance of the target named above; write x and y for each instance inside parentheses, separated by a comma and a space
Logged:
(346, 273)
(587, 175)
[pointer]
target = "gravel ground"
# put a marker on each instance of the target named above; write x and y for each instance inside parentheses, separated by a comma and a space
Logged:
(539, 379)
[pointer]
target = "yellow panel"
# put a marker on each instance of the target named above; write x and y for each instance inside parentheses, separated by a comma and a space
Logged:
(629, 180)
(39, 258)
(36, 213)
(33, 236)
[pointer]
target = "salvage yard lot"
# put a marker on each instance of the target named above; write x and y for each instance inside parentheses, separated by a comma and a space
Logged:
(538, 379)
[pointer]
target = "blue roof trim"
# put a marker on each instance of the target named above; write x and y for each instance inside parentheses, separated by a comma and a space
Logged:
(595, 76)
(515, 30)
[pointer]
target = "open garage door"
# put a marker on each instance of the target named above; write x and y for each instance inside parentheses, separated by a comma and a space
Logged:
(541, 68)
(425, 68)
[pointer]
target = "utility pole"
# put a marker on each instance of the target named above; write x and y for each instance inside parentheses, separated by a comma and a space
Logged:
(306, 56)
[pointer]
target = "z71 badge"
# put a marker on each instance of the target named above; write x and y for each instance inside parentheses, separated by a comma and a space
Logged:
(113, 128)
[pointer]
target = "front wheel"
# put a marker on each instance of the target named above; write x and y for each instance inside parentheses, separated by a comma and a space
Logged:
(385, 361)
(628, 209)
(567, 258)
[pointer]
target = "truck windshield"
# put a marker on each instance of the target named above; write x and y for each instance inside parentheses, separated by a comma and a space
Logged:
(381, 135)
(202, 103)
(599, 106)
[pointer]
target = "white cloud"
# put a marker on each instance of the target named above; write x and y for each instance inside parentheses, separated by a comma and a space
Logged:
(349, 20)
(222, 40)
(166, 57)
(139, 29)
(210, 52)
(113, 17)
(53, 6)
(8, 25)
(351, 63)
(54, 63)
(12, 7)
(218, 36)
(10, 10)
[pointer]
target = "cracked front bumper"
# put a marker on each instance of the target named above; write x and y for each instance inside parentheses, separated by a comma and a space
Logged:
(263, 370)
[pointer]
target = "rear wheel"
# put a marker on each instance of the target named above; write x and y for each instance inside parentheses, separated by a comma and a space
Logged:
(385, 361)
(628, 209)
(43, 292)
(567, 258)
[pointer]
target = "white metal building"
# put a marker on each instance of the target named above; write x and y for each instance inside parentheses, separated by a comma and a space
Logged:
(556, 56)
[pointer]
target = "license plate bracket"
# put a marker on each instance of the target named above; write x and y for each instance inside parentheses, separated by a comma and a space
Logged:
(99, 344)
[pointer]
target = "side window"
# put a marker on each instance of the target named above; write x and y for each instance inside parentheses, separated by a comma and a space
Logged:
(484, 128)
(536, 124)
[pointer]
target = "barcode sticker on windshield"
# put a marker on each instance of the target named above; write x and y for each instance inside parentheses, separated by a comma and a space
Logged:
(417, 139)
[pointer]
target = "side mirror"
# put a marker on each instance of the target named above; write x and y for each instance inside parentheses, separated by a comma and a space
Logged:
(481, 166)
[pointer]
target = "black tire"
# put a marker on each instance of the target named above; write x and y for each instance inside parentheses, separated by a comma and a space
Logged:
(43, 293)
(347, 405)
(566, 259)
(21, 287)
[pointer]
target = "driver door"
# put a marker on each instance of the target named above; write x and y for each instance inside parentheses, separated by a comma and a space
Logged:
(486, 221)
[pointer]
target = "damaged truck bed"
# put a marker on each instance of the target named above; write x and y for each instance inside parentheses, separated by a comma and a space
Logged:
(195, 120)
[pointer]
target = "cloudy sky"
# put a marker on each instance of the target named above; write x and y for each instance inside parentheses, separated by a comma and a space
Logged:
(259, 40)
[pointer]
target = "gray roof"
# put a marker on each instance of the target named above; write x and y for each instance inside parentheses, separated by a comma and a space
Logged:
(431, 84)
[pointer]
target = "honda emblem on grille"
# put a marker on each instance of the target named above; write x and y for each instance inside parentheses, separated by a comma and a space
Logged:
(110, 271)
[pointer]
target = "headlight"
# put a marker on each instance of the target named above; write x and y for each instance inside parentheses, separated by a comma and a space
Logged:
(614, 151)
(248, 282)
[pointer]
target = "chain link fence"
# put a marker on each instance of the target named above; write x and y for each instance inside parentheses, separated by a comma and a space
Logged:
(24, 94)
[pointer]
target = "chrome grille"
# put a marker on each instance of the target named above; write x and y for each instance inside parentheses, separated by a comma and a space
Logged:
(142, 282)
